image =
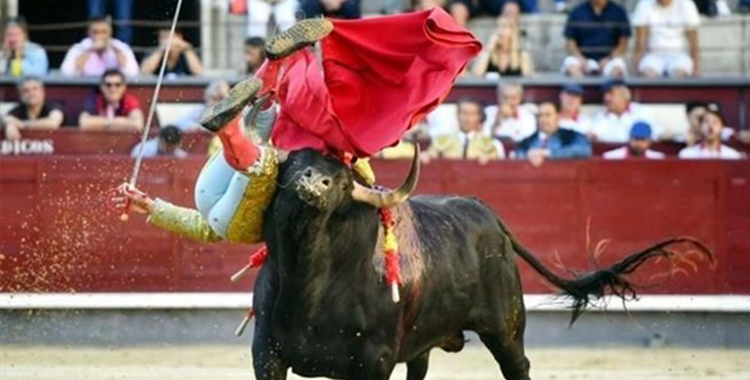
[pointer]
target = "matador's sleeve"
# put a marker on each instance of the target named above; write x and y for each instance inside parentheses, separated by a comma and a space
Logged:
(182, 221)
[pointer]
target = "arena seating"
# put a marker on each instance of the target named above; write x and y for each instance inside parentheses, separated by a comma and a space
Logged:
(731, 94)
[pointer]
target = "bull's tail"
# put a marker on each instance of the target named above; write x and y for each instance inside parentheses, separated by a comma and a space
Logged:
(587, 288)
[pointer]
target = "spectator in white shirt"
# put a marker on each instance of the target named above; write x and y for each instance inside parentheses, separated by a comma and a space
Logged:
(641, 139)
(711, 147)
(509, 119)
(666, 38)
(98, 53)
(259, 12)
(571, 100)
(614, 123)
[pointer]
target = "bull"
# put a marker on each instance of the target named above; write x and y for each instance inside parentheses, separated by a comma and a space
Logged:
(323, 308)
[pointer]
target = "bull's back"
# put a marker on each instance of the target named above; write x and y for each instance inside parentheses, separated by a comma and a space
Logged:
(449, 225)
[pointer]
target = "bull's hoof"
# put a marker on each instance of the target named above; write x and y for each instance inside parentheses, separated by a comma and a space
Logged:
(220, 114)
(301, 34)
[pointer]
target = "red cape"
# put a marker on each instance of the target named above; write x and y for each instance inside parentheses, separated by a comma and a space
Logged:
(380, 76)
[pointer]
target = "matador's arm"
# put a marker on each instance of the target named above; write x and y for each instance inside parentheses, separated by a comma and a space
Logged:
(180, 220)
(183, 221)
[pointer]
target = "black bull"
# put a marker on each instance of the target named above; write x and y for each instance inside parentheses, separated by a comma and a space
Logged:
(323, 309)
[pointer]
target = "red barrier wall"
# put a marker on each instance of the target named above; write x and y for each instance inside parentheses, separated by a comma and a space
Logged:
(57, 235)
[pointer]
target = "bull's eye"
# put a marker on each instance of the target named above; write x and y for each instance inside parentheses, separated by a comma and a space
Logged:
(326, 182)
(308, 173)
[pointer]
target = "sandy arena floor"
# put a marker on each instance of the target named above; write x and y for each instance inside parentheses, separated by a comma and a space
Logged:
(233, 362)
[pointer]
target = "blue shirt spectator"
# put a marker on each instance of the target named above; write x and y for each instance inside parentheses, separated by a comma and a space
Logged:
(348, 9)
(19, 56)
(550, 141)
(597, 31)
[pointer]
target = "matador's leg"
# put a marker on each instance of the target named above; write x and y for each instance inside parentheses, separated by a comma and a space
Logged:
(225, 117)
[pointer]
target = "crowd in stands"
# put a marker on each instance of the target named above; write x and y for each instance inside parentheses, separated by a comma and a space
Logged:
(597, 34)
(557, 129)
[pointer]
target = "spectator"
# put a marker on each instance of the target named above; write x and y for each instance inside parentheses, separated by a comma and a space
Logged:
(502, 55)
(638, 146)
(695, 111)
(182, 58)
(123, 13)
(710, 146)
(551, 141)
(571, 117)
(20, 56)
(346, 9)
(255, 54)
(215, 92)
(260, 11)
(596, 34)
(662, 28)
(167, 144)
(512, 12)
(12, 134)
(33, 112)
(510, 119)
(98, 53)
(420, 5)
(112, 108)
(613, 124)
(463, 10)
(469, 142)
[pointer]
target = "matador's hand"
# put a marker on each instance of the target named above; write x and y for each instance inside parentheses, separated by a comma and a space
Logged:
(139, 201)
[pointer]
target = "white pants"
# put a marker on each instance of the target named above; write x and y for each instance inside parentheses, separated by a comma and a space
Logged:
(259, 12)
(218, 192)
(668, 63)
(592, 66)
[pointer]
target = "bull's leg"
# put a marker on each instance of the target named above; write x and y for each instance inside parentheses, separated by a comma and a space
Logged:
(376, 362)
(267, 362)
(416, 369)
(509, 353)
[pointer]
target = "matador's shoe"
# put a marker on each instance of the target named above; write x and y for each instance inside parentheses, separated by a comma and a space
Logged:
(220, 114)
(301, 34)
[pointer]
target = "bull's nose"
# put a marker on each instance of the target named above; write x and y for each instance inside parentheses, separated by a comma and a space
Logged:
(316, 181)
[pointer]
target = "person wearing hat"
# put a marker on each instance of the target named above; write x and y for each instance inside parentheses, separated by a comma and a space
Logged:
(612, 125)
(571, 117)
(695, 112)
(710, 146)
(638, 146)
(167, 144)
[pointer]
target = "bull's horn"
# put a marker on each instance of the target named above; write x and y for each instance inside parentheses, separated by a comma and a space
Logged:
(385, 199)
